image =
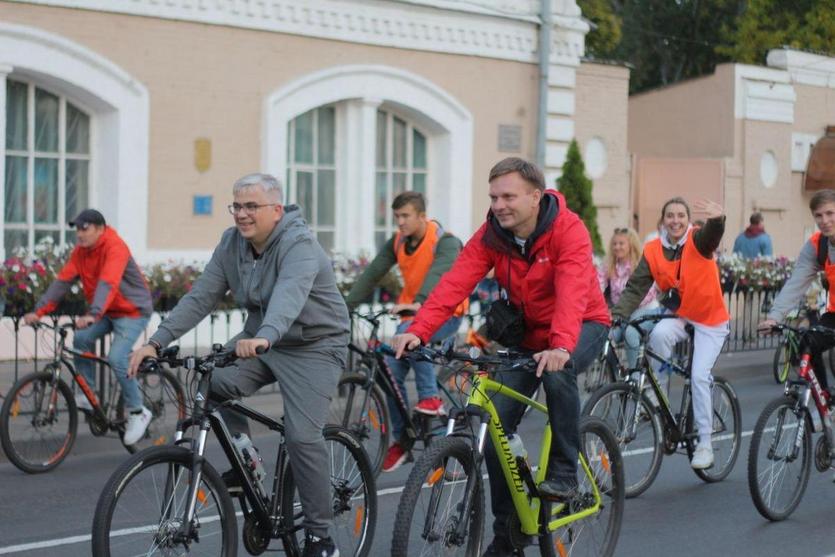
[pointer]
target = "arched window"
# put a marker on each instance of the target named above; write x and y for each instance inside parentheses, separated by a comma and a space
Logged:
(47, 166)
(401, 165)
(311, 170)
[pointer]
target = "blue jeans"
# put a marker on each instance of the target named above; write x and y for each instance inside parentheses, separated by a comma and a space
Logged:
(563, 401)
(424, 373)
(631, 338)
(125, 332)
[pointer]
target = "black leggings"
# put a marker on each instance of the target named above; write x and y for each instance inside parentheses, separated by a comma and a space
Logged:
(820, 346)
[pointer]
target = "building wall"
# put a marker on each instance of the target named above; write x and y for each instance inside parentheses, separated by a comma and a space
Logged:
(602, 103)
(212, 81)
(692, 118)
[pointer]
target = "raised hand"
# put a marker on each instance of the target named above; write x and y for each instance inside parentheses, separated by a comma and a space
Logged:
(709, 208)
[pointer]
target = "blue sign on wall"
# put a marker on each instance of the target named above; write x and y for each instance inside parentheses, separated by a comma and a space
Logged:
(202, 205)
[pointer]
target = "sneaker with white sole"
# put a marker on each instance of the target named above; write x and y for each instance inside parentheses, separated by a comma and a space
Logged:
(82, 403)
(136, 426)
(702, 457)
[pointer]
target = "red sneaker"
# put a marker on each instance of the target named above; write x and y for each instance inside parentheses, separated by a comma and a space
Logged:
(432, 406)
(394, 458)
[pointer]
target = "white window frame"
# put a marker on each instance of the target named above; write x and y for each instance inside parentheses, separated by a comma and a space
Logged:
(313, 168)
(388, 167)
(359, 90)
(119, 107)
(30, 153)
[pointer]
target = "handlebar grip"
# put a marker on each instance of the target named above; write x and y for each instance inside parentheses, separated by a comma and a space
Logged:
(260, 350)
(407, 313)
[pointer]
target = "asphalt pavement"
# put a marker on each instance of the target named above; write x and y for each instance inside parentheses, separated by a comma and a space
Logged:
(51, 514)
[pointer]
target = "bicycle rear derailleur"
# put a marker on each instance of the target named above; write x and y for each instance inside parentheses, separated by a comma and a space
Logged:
(823, 458)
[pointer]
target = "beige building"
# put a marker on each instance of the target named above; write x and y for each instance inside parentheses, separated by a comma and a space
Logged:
(150, 110)
(741, 136)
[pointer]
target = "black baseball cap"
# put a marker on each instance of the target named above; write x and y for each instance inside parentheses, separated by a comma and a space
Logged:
(88, 216)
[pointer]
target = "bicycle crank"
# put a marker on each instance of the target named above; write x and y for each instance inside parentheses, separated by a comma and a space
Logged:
(98, 425)
(255, 539)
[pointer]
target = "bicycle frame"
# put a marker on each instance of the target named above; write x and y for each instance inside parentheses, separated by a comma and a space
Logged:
(526, 502)
(206, 416)
(61, 357)
(811, 390)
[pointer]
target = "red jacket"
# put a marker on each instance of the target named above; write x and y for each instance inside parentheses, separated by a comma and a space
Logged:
(555, 285)
(112, 281)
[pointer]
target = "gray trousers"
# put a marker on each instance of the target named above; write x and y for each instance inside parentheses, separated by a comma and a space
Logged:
(307, 377)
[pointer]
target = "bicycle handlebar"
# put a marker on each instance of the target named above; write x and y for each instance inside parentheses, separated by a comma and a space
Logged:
(217, 358)
(508, 360)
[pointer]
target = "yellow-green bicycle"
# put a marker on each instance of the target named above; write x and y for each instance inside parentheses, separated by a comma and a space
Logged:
(441, 510)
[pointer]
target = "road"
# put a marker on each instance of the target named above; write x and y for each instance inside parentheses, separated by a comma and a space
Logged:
(51, 515)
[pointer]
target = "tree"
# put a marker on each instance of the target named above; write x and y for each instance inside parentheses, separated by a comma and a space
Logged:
(605, 34)
(576, 188)
(768, 24)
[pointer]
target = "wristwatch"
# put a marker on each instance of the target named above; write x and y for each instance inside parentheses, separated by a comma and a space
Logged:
(156, 346)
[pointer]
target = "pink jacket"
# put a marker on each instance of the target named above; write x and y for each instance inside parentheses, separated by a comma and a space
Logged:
(617, 283)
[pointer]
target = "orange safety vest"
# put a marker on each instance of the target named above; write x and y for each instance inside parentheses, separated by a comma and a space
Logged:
(415, 266)
(828, 268)
(698, 283)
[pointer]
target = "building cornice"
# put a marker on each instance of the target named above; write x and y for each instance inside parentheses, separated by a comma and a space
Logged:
(486, 28)
(805, 68)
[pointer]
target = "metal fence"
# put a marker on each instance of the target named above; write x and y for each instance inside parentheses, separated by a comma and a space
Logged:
(32, 349)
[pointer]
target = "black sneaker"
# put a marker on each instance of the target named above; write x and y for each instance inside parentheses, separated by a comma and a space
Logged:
(558, 490)
(319, 547)
(233, 484)
(500, 547)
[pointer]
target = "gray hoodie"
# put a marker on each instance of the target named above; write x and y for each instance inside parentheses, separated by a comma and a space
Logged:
(805, 270)
(289, 292)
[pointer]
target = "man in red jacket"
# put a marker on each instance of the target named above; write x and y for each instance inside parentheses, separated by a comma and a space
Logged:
(542, 255)
(119, 302)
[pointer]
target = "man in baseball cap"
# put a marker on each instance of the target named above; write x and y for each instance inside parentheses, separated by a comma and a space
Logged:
(88, 217)
(118, 301)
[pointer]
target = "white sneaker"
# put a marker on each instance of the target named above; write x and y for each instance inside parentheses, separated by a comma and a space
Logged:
(702, 457)
(136, 426)
(82, 403)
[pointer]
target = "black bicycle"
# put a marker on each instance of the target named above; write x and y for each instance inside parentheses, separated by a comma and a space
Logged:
(39, 416)
(647, 428)
(171, 500)
(362, 408)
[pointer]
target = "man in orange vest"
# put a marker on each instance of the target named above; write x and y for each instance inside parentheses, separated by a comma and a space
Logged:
(423, 251)
(817, 254)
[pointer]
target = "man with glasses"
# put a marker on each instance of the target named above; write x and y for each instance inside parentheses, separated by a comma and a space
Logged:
(119, 303)
(281, 276)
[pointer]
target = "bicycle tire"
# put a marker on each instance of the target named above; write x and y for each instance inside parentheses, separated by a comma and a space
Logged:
(603, 456)
(781, 364)
(764, 500)
(166, 400)
(120, 526)
(724, 458)
(642, 455)
(13, 422)
(354, 497)
(372, 427)
(447, 463)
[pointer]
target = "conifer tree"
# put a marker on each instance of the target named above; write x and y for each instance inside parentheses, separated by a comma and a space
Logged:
(576, 188)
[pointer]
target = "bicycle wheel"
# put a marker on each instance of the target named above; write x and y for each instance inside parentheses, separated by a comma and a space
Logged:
(38, 422)
(163, 395)
(778, 469)
(441, 510)
(143, 504)
(354, 497)
(595, 535)
(781, 364)
(727, 431)
(364, 412)
(618, 405)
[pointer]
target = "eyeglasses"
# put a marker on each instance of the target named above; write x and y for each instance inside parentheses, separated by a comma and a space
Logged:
(248, 208)
(621, 230)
